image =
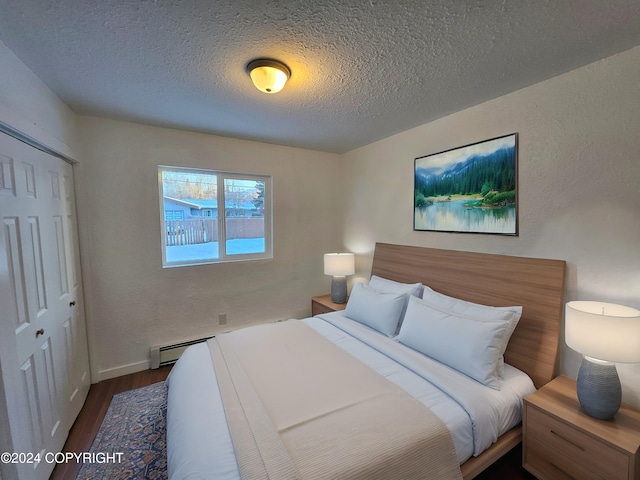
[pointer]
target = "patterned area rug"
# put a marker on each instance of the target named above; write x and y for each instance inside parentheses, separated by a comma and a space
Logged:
(135, 425)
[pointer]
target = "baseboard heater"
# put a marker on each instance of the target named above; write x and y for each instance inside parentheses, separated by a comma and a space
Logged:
(162, 355)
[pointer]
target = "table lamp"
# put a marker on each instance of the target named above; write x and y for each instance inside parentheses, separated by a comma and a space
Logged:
(604, 333)
(339, 265)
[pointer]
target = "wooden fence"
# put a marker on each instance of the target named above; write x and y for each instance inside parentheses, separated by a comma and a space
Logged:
(204, 230)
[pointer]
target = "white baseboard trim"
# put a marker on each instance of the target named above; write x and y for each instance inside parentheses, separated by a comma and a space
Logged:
(122, 370)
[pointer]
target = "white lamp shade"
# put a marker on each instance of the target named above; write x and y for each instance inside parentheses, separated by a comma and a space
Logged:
(268, 79)
(339, 264)
(269, 76)
(604, 331)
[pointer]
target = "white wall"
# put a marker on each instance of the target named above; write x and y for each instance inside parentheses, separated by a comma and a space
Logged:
(579, 184)
(29, 106)
(132, 302)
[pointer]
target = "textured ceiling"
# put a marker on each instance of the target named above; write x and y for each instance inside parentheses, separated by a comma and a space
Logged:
(361, 70)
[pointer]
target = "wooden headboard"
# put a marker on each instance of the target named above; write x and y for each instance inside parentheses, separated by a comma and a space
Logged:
(497, 280)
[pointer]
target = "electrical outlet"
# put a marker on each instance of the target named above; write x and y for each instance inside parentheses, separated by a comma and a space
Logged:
(222, 319)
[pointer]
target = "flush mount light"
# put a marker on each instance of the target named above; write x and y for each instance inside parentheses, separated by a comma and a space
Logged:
(269, 76)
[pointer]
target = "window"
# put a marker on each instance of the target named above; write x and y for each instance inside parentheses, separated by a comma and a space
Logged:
(173, 214)
(210, 217)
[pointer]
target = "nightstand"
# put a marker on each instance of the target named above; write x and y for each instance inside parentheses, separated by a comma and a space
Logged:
(562, 442)
(323, 304)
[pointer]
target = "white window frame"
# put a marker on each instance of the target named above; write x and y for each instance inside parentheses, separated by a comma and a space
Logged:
(221, 176)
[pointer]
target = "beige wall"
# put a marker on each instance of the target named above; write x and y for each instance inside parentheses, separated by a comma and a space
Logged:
(579, 184)
(132, 302)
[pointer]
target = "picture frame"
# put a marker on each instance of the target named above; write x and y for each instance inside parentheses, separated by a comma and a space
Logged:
(468, 189)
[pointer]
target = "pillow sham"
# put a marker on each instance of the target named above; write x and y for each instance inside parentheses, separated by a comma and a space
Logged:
(391, 286)
(386, 285)
(378, 310)
(478, 312)
(466, 345)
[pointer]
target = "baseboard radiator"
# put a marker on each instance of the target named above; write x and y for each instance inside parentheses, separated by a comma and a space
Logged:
(162, 355)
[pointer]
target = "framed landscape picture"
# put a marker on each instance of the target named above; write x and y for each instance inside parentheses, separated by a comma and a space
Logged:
(470, 189)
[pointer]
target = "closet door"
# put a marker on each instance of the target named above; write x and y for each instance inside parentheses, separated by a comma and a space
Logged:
(43, 348)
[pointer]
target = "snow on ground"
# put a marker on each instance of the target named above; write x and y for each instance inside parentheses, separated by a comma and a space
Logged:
(204, 251)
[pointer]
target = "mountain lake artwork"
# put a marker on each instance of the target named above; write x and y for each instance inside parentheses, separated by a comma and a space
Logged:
(470, 189)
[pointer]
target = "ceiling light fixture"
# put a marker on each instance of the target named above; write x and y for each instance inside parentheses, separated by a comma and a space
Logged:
(269, 76)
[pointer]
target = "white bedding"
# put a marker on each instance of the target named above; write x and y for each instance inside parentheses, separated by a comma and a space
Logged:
(199, 444)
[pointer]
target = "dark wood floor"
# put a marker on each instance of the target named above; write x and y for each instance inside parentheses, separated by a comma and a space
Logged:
(508, 467)
(86, 427)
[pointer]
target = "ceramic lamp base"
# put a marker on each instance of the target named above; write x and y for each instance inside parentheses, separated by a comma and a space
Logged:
(339, 289)
(599, 389)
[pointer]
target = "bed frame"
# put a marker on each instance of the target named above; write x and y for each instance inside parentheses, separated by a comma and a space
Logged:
(497, 280)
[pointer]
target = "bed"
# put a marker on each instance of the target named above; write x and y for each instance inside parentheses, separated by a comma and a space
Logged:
(475, 415)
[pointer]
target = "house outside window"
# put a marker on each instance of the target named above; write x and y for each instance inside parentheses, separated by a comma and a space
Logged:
(210, 216)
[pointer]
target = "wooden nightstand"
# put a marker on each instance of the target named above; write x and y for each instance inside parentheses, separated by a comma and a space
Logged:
(323, 304)
(562, 442)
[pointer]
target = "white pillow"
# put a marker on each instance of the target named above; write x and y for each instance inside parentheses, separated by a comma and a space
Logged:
(386, 285)
(465, 344)
(378, 310)
(391, 286)
(478, 312)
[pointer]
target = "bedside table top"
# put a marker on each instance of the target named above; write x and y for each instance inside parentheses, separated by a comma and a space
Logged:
(559, 398)
(326, 301)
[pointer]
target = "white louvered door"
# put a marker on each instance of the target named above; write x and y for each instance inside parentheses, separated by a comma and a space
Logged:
(43, 348)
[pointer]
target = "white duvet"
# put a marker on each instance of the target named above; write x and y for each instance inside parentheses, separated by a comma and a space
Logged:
(199, 444)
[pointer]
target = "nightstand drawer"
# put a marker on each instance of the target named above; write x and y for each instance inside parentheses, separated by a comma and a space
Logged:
(323, 304)
(318, 308)
(566, 448)
(552, 464)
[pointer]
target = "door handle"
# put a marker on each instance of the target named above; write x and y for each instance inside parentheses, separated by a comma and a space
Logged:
(39, 332)
(72, 303)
